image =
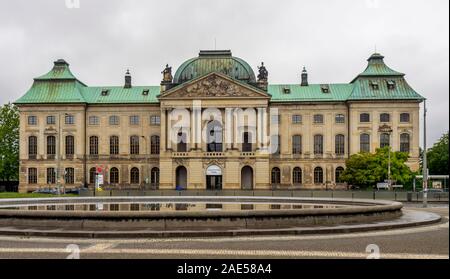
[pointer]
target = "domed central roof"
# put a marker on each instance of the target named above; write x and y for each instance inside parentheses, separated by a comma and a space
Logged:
(209, 61)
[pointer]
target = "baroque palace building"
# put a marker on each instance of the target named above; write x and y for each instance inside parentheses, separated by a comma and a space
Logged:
(214, 125)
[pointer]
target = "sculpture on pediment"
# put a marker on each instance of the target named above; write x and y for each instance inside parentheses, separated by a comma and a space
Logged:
(213, 86)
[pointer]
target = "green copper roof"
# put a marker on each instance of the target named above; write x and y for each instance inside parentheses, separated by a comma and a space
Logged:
(220, 61)
(65, 91)
(61, 86)
(377, 67)
(121, 95)
(312, 92)
(60, 71)
(363, 90)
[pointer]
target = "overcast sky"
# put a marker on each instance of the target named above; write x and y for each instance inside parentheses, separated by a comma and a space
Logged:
(332, 38)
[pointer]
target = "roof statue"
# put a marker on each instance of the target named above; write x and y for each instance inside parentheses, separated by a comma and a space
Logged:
(263, 73)
(167, 74)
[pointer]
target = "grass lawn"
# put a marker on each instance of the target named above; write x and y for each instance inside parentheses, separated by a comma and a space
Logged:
(14, 195)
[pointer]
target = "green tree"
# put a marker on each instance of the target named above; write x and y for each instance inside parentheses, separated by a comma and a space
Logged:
(366, 169)
(9, 143)
(437, 156)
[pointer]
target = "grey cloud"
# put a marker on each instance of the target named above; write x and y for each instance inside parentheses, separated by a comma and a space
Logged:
(332, 38)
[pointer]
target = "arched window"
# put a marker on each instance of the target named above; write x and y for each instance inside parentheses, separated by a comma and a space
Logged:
(384, 140)
(70, 145)
(154, 144)
(318, 144)
(214, 136)
(276, 176)
(154, 177)
(92, 175)
(114, 176)
(297, 175)
(337, 174)
(114, 145)
(318, 175)
(404, 143)
(297, 144)
(134, 177)
(32, 176)
(134, 145)
(364, 143)
(70, 176)
(93, 145)
(385, 117)
(339, 144)
(51, 147)
(32, 147)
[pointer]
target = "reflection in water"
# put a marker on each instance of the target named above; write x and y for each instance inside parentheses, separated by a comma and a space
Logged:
(167, 207)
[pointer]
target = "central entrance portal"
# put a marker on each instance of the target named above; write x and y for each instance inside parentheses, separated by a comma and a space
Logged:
(214, 178)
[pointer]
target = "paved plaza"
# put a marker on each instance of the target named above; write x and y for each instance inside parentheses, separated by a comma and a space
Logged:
(417, 242)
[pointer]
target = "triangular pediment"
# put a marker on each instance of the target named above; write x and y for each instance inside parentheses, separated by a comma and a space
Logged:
(214, 85)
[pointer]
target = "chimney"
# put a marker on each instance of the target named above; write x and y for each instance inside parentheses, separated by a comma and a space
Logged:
(127, 79)
(304, 77)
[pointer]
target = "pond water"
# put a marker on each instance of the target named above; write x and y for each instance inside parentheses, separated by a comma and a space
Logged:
(167, 207)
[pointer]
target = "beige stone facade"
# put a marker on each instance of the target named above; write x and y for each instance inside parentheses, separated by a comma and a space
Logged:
(160, 161)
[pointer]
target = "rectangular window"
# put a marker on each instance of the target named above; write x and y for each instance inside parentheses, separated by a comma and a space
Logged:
(340, 119)
(70, 145)
(364, 117)
(32, 176)
(404, 117)
(70, 119)
(51, 176)
(94, 120)
(69, 176)
(297, 145)
(114, 120)
(134, 120)
(296, 119)
(155, 120)
(51, 120)
(32, 120)
(318, 119)
(385, 117)
(318, 144)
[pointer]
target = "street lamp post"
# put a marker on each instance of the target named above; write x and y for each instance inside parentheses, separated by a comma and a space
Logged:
(388, 130)
(147, 155)
(425, 167)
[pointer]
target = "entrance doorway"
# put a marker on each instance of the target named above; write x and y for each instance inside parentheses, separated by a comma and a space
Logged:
(214, 178)
(181, 178)
(247, 178)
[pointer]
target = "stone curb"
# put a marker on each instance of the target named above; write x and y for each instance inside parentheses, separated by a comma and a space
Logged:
(229, 233)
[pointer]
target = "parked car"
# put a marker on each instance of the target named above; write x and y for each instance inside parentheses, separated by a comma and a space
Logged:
(50, 191)
(75, 191)
(382, 186)
(433, 190)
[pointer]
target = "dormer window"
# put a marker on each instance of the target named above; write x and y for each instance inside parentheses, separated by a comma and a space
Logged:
(105, 92)
(374, 85)
(145, 92)
(325, 88)
(286, 90)
(391, 84)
